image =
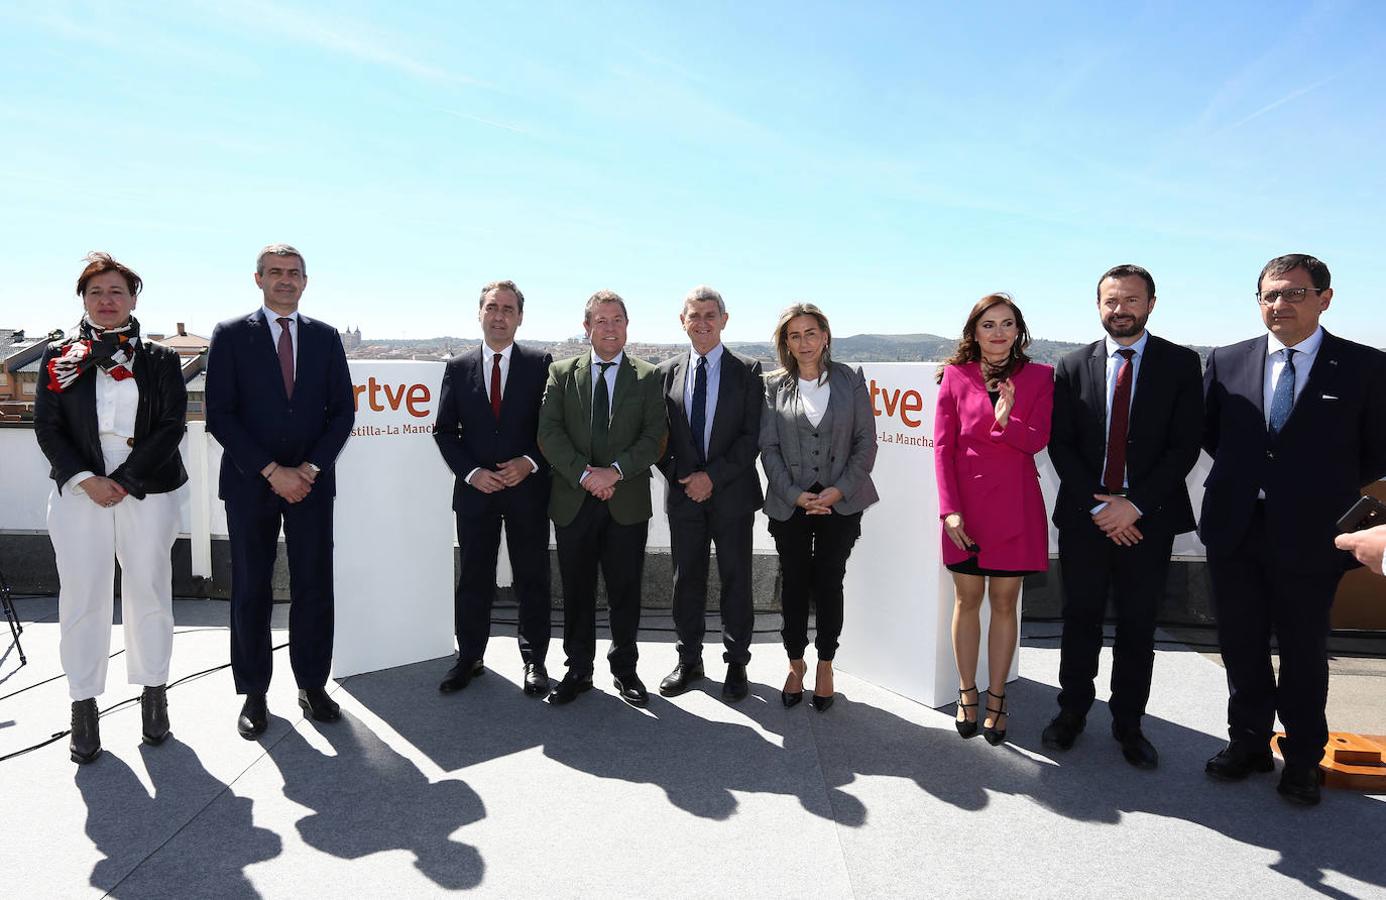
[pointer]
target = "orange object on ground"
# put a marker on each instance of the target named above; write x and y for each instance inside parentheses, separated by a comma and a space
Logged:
(1353, 761)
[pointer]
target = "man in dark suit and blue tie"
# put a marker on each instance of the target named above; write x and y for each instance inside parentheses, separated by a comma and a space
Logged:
(713, 399)
(279, 401)
(487, 431)
(1128, 417)
(1296, 424)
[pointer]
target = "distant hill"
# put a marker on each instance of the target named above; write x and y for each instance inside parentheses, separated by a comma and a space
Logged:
(857, 348)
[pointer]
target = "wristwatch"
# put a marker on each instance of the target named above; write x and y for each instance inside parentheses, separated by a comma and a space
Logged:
(314, 468)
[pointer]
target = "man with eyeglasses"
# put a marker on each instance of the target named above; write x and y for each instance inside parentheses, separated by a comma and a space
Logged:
(1295, 421)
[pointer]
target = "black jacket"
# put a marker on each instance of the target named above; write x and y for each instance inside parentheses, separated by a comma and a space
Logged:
(1162, 440)
(66, 427)
(1333, 444)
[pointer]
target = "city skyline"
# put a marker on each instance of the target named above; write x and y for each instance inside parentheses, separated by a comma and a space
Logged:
(890, 163)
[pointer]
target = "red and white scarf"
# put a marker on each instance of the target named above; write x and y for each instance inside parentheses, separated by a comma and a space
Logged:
(112, 349)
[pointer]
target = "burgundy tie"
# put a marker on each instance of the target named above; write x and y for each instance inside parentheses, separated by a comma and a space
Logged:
(1114, 476)
(286, 355)
(495, 386)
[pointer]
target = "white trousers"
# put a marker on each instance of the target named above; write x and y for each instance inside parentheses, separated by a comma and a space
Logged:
(87, 540)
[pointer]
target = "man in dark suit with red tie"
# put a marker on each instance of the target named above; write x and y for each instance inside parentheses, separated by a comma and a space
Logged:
(1128, 412)
(1296, 426)
(488, 420)
(279, 401)
(713, 398)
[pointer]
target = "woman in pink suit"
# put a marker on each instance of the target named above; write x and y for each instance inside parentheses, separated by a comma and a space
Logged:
(992, 418)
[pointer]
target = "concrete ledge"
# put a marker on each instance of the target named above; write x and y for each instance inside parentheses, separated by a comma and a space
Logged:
(27, 561)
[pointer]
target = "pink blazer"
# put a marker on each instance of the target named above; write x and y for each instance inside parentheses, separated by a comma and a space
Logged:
(987, 474)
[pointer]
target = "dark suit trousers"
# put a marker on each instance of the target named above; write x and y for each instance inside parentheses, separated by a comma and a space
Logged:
(527, 542)
(1255, 597)
(254, 532)
(693, 529)
(813, 561)
(1094, 569)
(591, 540)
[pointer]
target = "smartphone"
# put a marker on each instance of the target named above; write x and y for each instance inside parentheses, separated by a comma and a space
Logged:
(1367, 512)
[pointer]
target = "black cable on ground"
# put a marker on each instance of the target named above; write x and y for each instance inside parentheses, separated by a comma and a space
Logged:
(119, 704)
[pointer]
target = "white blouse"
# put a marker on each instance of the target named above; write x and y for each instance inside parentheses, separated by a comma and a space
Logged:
(814, 397)
(117, 404)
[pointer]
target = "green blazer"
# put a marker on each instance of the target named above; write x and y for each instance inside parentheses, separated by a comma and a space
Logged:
(636, 436)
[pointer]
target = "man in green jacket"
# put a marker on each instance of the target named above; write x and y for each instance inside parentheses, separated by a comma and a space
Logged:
(601, 427)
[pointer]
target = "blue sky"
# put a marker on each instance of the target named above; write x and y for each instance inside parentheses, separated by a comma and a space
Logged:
(890, 162)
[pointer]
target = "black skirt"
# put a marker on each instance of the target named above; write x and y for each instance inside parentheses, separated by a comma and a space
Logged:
(969, 566)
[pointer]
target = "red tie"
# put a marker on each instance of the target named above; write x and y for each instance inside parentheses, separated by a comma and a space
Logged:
(1114, 476)
(495, 386)
(286, 355)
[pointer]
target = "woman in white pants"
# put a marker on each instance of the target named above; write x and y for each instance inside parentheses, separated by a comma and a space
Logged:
(109, 415)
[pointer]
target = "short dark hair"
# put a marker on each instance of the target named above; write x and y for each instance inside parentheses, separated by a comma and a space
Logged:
(1127, 270)
(99, 263)
(506, 285)
(603, 296)
(1318, 272)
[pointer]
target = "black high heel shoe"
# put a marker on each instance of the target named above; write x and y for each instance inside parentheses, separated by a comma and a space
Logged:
(996, 736)
(966, 727)
(794, 699)
(821, 702)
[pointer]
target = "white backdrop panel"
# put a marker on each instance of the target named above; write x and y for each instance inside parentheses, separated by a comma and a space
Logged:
(394, 524)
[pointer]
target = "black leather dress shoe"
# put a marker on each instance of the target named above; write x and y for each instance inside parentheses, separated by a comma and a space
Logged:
(631, 689)
(85, 745)
(1234, 762)
(319, 706)
(1138, 751)
(460, 675)
(1063, 730)
(536, 679)
(1300, 785)
(735, 686)
(254, 717)
(154, 715)
(682, 678)
(566, 691)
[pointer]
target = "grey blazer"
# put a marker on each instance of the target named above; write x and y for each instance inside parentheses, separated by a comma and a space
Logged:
(852, 451)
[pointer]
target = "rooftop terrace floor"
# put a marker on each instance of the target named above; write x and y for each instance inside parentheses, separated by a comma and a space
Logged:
(414, 793)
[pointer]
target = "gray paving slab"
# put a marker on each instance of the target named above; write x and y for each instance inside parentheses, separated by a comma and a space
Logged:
(497, 794)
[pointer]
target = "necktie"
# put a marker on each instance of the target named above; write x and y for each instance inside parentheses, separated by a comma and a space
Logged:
(1114, 475)
(286, 355)
(697, 419)
(495, 386)
(1283, 400)
(601, 417)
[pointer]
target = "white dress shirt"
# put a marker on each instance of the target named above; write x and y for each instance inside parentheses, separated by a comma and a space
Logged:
(117, 403)
(272, 318)
(610, 382)
(1114, 361)
(488, 361)
(714, 383)
(1306, 351)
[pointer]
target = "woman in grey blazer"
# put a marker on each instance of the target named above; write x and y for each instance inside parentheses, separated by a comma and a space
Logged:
(817, 446)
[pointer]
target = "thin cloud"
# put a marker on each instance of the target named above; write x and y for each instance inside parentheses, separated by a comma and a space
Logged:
(1291, 96)
(504, 126)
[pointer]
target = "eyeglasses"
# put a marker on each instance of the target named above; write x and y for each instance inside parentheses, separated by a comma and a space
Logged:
(1293, 295)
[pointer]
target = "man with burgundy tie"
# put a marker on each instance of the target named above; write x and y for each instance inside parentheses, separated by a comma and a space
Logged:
(487, 431)
(1296, 426)
(279, 401)
(1128, 411)
(713, 398)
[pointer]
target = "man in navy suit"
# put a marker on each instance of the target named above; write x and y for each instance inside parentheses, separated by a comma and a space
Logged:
(713, 399)
(279, 401)
(1128, 416)
(487, 431)
(1295, 421)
